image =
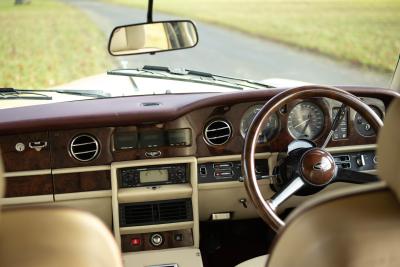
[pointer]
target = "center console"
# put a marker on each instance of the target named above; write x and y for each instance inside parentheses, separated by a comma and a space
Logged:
(155, 204)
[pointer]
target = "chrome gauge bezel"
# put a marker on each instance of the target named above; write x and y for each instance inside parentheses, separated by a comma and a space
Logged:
(374, 108)
(250, 110)
(322, 127)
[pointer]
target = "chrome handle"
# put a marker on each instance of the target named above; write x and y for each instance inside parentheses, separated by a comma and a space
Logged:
(38, 145)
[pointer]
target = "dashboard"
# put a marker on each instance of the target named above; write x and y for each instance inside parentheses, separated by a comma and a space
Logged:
(152, 166)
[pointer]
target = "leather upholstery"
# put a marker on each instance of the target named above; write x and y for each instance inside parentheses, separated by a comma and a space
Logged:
(44, 237)
(352, 229)
(55, 237)
(389, 149)
(254, 262)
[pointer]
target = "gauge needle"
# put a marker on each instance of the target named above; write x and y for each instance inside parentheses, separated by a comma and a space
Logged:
(305, 127)
(301, 123)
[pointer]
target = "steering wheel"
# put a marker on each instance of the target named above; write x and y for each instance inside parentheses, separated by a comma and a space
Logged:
(306, 167)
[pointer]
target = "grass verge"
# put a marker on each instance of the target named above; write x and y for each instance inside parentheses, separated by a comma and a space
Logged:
(365, 32)
(46, 43)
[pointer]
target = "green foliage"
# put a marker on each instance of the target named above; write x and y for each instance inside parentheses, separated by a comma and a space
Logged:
(46, 43)
(365, 32)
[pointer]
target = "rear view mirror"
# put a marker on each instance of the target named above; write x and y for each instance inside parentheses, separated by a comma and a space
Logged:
(152, 37)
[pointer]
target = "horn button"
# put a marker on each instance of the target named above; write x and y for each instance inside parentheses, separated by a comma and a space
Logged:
(317, 167)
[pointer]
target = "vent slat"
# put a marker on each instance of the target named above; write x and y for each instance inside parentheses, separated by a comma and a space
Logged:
(85, 152)
(217, 129)
(222, 136)
(83, 144)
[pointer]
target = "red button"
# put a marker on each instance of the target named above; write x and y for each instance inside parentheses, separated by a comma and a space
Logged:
(136, 241)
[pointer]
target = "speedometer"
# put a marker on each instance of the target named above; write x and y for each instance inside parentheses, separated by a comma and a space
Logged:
(269, 129)
(305, 121)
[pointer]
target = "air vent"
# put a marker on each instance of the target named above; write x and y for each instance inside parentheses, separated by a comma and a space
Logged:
(155, 212)
(139, 214)
(151, 104)
(174, 211)
(84, 147)
(217, 132)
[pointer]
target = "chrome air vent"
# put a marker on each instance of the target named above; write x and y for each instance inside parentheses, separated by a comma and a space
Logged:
(217, 132)
(84, 147)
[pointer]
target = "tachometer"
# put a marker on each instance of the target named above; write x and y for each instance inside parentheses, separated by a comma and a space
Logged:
(306, 121)
(269, 129)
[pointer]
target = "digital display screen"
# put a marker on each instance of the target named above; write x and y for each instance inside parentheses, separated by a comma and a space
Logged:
(152, 139)
(180, 137)
(153, 176)
(125, 140)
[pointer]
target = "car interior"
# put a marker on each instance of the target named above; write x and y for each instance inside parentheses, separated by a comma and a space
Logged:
(304, 175)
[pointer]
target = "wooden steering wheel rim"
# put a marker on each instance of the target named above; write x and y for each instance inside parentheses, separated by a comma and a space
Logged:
(263, 207)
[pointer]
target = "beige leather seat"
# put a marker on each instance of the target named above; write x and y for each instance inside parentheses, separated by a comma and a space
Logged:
(33, 237)
(352, 228)
(254, 262)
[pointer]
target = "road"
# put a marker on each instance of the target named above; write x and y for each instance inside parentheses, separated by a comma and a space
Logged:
(227, 52)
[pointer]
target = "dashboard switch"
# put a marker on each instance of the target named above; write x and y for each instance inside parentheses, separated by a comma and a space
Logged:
(20, 147)
(360, 161)
(156, 240)
(178, 237)
(203, 171)
(136, 242)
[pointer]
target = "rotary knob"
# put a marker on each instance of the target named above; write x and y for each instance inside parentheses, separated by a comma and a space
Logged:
(156, 240)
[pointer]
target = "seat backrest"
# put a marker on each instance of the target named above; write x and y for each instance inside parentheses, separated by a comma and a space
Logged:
(54, 236)
(354, 227)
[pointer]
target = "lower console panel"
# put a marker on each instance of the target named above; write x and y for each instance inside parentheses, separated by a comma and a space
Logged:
(159, 240)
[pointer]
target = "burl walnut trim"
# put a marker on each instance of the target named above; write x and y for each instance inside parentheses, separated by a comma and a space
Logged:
(29, 186)
(82, 182)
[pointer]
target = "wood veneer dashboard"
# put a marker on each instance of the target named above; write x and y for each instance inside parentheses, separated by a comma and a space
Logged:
(57, 124)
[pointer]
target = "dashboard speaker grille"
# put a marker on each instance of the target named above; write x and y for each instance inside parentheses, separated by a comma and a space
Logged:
(217, 132)
(159, 212)
(84, 147)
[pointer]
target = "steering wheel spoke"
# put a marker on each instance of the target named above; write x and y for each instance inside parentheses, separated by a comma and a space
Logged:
(286, 192)
(354, 177)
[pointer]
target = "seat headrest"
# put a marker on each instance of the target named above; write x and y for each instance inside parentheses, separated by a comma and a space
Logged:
(389, 148)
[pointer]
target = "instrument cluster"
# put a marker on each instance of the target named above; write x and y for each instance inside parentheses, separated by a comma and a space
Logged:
(309, 119)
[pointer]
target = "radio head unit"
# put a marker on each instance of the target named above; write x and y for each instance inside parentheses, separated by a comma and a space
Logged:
(154, 175)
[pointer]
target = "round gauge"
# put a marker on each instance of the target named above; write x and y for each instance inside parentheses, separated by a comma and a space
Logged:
(270, 128)
(305, 121)
(362, 126)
